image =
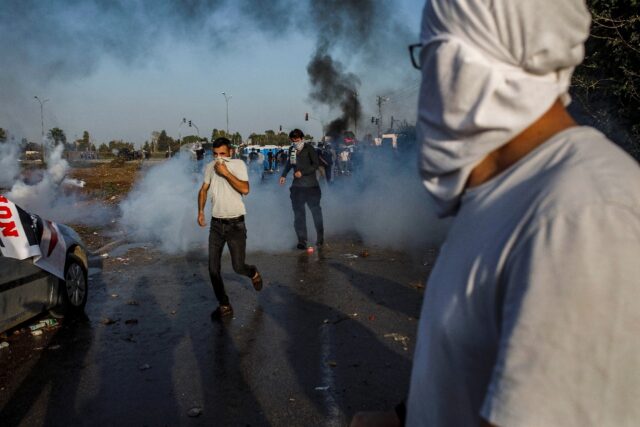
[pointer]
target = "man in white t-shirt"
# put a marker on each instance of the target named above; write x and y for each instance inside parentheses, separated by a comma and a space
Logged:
(531, 313)
(229, 182)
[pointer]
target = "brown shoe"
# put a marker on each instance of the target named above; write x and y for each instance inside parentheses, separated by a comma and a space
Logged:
(222, 311)
(257, 281)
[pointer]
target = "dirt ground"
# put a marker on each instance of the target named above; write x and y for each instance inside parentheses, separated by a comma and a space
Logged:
(107, 183)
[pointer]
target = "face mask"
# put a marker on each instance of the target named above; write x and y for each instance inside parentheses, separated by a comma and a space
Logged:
(480, 89)
(298, 145)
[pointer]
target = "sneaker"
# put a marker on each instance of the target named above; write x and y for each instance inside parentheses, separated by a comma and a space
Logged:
(221, 312)
(301, 246)
(257, 281)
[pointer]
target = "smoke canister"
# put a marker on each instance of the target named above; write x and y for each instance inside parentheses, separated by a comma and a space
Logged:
(310, 250)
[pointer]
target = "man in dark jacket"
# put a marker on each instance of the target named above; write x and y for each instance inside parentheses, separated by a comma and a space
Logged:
(305, 189)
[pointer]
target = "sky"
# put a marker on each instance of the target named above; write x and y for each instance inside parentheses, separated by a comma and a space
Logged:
(123, 69)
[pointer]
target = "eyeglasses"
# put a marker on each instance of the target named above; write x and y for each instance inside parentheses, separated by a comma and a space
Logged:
(414, 53)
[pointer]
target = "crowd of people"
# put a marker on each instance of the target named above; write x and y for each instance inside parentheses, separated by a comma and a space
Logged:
(529, 316)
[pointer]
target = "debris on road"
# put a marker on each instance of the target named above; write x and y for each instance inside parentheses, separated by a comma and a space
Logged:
(417, 285)
(36, 333)
(322, 388)
(108, 321)
(114, 295)
(132, 302)
(43, 324)
(402, 339)
(372, 317)
(144, 367)
(350, 256)
(105, 255)
(364, 253)
(332, 363)
(4, 344)
(194, 412)
(54, 347)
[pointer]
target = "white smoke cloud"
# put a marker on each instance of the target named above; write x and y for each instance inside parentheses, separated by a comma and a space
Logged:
(49, 198)
(163, 208)
(9, 163)
(383, 202)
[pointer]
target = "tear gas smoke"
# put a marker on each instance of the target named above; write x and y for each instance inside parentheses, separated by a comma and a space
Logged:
(9, 163)
(48, 197)
(383, 202)
(72, 38)
(162, 207)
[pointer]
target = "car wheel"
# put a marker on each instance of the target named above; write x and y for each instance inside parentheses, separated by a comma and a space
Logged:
(72, 292)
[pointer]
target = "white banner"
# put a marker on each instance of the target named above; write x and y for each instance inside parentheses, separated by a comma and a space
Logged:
(24, 235)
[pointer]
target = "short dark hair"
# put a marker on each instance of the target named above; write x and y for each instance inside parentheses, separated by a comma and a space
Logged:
(219, 142)
(296, 133)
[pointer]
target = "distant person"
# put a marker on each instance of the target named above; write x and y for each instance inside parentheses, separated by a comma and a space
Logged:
(229, 181)
(305, 189)
(270, 160)
(531, 313)
(344, 161)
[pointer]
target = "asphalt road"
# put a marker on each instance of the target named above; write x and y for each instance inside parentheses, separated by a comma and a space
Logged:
(331, 333)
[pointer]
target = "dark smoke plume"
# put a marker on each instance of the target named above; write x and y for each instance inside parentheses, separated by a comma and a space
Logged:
(41, 41)
(360, 27)
(332, 86)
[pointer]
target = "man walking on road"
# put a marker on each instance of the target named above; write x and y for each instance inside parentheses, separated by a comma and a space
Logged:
(305, 189)
(229, 181)
(530, 315)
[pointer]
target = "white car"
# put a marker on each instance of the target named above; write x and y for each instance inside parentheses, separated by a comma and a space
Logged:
(43, 266)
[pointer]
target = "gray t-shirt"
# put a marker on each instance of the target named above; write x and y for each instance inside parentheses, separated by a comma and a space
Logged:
(226, 202)
(532, 313)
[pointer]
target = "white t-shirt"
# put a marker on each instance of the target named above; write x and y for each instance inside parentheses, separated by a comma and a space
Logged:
(225, 200)
(531, 315)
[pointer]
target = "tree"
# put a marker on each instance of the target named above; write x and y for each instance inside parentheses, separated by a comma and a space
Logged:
(146, 147)
(165, 142)
(189, 139)
(607, 84)
(236, 138)
(84, 143)
(103, 148)
(218, 133)
(3, 135)
(58, 136)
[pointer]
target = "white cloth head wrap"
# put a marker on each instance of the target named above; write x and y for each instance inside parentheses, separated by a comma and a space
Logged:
(490, 68)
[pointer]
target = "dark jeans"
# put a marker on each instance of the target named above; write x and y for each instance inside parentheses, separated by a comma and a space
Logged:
(309, 196)
(235, 236)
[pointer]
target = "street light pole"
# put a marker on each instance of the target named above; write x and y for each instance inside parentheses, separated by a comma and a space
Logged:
(42, 102)
(227, 98)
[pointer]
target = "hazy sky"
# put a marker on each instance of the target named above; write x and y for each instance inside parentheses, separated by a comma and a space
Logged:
(122, 69)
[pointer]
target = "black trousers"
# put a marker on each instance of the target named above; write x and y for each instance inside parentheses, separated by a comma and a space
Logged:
(328, 171)
(235, 236)
(301, 196)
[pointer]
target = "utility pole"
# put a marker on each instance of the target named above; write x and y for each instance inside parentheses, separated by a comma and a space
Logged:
(380, 100)
(355, 114)
(42, 102)
(227, 98)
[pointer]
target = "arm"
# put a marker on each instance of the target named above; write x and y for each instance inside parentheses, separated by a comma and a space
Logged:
(286, 170)
(202, 201)
(240, 186)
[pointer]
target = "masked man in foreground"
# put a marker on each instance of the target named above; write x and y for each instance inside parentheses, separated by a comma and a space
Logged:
(531, 313)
